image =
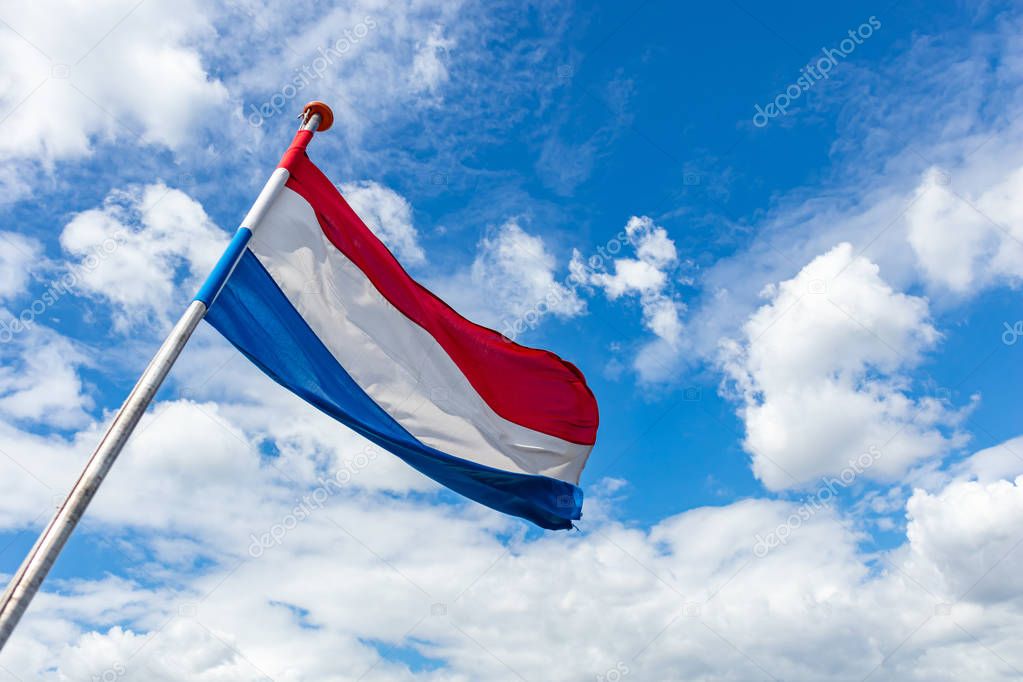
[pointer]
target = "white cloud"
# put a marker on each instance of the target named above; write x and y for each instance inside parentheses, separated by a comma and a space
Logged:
(389, 215)
(647, 274)
(650, 276)
(631, 276)
(820, 372)
(18, 254)
(109, 70)
(394, 60)
(518, 268)
(512, 283)
(134, 249)
(994, 463)
(687, 595)
(39, 381)
(429, 71)
(13, 184)
(968, 243)
(962, 539)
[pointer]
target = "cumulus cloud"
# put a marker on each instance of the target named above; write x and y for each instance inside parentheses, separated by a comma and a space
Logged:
(39, 379)
(518, 268)
(964, 532)
(820, 370)
(140, 248)
(964, 243)
(512, 283)
(649, 276)
(389, 215)
(687, 595)
(111, 70)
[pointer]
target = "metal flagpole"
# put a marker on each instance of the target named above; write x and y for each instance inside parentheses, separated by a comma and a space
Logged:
(25, 583)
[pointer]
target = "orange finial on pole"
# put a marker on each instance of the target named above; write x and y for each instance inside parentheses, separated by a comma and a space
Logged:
(319, 108)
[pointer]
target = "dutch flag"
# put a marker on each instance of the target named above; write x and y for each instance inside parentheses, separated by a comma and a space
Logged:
(320, 305)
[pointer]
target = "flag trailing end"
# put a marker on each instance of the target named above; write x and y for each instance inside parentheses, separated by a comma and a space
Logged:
(320, 305)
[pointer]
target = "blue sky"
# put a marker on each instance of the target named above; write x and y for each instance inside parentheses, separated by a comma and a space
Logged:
(762, 307)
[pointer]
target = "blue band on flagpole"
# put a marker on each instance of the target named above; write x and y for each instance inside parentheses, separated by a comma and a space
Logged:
(225, 266)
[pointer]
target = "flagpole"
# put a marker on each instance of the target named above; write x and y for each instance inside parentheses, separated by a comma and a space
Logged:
(316, 116)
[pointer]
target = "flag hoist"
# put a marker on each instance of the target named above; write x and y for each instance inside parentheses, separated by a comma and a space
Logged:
(313, 298)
